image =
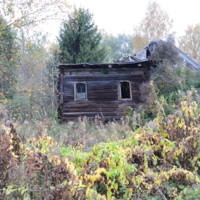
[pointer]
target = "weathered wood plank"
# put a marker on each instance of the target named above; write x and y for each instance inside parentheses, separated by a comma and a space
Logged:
(102, 92)
(61, 89)
(100, 104)
(66, 119)
(112, 95)
(135, 79)
(90, 113)
(99, 72)
(135, 86)
(104, 115)
(102, 89)
(85, 109)
(102, 85)
(68, 99)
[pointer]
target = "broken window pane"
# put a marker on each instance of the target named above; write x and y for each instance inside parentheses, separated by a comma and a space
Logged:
(125, 90)
(80, 87)
(80, 91)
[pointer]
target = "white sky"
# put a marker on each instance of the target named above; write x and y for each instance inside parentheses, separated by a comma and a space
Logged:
(120, 16)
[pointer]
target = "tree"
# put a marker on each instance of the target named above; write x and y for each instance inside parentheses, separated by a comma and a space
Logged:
(17, 15)
(21, 13)
(7, 61)
(155, 25)
(117, 46)
(33, 95)
(79, 39)
(190, 42)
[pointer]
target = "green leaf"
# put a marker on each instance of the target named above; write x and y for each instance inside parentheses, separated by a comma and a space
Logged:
(181, 187)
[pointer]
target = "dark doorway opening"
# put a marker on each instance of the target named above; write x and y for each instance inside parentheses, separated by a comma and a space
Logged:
(125, 90)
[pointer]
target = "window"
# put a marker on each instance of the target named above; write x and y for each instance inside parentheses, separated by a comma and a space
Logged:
(80, 91)
(125, 90)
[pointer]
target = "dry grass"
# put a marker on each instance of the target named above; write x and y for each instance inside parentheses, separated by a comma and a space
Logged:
(86, 132)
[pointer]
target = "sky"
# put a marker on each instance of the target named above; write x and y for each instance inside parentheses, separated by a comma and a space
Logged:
(120, 16)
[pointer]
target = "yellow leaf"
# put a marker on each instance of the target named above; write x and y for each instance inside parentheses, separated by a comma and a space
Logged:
(71, 167)
(13, 154)
(158, 182)
(180, 125)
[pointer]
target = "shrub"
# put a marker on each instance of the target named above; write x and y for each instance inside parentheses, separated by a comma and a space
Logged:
(162, 163)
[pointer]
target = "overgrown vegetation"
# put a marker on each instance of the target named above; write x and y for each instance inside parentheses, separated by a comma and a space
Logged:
(168, 82)
(8, 52)
(153, 153)
(81, 160)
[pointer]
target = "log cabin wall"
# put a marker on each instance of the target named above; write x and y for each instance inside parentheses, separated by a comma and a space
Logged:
(99, 90)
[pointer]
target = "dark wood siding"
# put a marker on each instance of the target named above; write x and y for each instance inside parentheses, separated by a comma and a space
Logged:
(119, 77)
(102, 96)
(102, 89)
(90, 109)
(68, 91)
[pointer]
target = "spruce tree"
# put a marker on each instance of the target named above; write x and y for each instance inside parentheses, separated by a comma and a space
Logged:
(7, 61)
(79, 39)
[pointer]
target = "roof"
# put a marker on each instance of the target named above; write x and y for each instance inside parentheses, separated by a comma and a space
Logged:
(145, 53)
(127, 63)
(189, 60)
(143, 56)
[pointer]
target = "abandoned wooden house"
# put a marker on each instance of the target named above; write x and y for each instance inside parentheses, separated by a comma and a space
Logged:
(100, 90)
(104, 90)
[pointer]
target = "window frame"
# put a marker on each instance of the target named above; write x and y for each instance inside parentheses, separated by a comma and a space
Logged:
(120, 93)
(75, 91)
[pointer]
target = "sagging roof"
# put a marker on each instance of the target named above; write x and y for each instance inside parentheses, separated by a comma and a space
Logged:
(110, 65)
(145, 54)
(189, 60)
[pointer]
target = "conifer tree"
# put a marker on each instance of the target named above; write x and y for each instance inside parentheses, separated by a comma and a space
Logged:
(79, 39)
(7, 61)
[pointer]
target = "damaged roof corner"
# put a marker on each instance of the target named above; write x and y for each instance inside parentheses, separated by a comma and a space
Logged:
(145, 55)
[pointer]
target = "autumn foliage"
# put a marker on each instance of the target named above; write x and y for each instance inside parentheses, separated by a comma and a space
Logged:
(151, 154)
(147, 164)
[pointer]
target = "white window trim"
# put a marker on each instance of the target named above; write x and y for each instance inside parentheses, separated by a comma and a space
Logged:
(119, 91)
(75, 92)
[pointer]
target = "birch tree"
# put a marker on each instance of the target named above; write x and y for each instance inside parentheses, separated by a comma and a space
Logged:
(30, 96)
(155, 25)
(190, 41)
(21, 13)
